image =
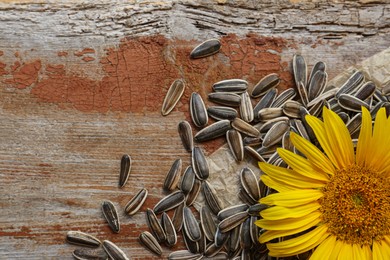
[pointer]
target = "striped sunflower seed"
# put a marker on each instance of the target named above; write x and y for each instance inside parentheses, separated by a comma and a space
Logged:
(254, 154)
(283, 97)
(213, 131)
(191, 197)
(275, 133)
(235, 143)
(125, 170)
(177, 218)
(265, 102)
(136, 202)
(184, 255)
(208, 224)
(173, 96)
(245, 128)
(221, 112)
(90, 254)
(150, 242)
(205, 49)
(246, 109)
(232, 210)
(192, 246)
(214, 203)
(351, 103)
(113, 251)
(173, 176)
(81, 238)
(365, 91)
(169, 202)
(270, 113)
(233, 221)
(319, 66)
(317, 84)
(111, 215)
(351, 84)
(300, 70)
(265, 84)
(198, 110)
(155, 226)
(191, 225)
(245, 238)
(225, 98)
(302, 91)
(185, 133)
(187, 180)
(231, 85)
(250, 184)
(220, 237)
(169, 229)
(199, 163)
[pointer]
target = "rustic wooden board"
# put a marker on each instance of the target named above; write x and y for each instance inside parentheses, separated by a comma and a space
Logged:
(78, 88)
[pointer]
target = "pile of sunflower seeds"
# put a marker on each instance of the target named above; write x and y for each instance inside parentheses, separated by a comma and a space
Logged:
(255, 123)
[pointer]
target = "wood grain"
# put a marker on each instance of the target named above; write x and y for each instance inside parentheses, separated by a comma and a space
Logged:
(60, 157)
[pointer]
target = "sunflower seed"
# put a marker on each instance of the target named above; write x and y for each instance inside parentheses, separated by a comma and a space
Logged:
(274, 158)
(245, 238)
(198, 110)
(205, 49)
(265, 102)
(246, 254)
(111, 215)
(199, 163)
(250, 184)
(212, 250)
(316, 109)
(221, 112)
(173, 96)
(191, 225)
(243, 195)
(231, 85)
(246, 109)
(213, 131)
(378, 96)
(308, 129)
(192, 246)
(155, 226)
(255, 209)
(202, 243)
(270, 113)
(300, 69)
(225, 98)
(344, 116)
(283, 97)
(150, 242)
(185, 132)
(351, 84)
(291, 108)
(365, 91)
(286, 142)
(90, 254)
(221, 238)
(187, 180)
(177, 219)
(254, 230)
(266, 152)
(191, 197)
(254, 154)
(351, 103)
(173, 176)
(114, 251)
(235, 143)
(184, 255)
(300, 128)
(218, 256)
(319, 66)
(233, 221)
(167, 225)
(125, 170)
(264, 189)
(212, 200)
(81, 238)
(245, 128)
(232, 210)
(303, 93)
(317, 84)
(208, 224)
(234, 240)
(169, 202)
(265, 84)
(136, 202)
(252, 141)
(325, 96)
(275, 133)
(354, 123)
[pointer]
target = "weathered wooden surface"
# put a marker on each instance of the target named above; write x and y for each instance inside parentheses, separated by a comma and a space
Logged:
(75, 95)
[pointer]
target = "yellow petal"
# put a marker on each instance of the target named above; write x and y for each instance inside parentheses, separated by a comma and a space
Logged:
(363, 149)
(315, 156)
(290, 177)
(278, 212)
(346, 252)
(360, 252)
(386, 247)
(338, 138)
(380, 142)
(288, 223)
(377, 251)
(292, 198)
(277, 185)
(299, 244)
(301, 165)
(271, 234)
(324, 250)
(319, 131)
(336, 249)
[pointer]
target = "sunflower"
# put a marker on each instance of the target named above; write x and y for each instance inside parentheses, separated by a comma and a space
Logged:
(336, 202)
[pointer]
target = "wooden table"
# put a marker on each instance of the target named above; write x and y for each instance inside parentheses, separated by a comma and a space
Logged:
(82, 83)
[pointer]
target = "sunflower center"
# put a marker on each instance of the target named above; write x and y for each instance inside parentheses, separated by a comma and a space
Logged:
(356, 205)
